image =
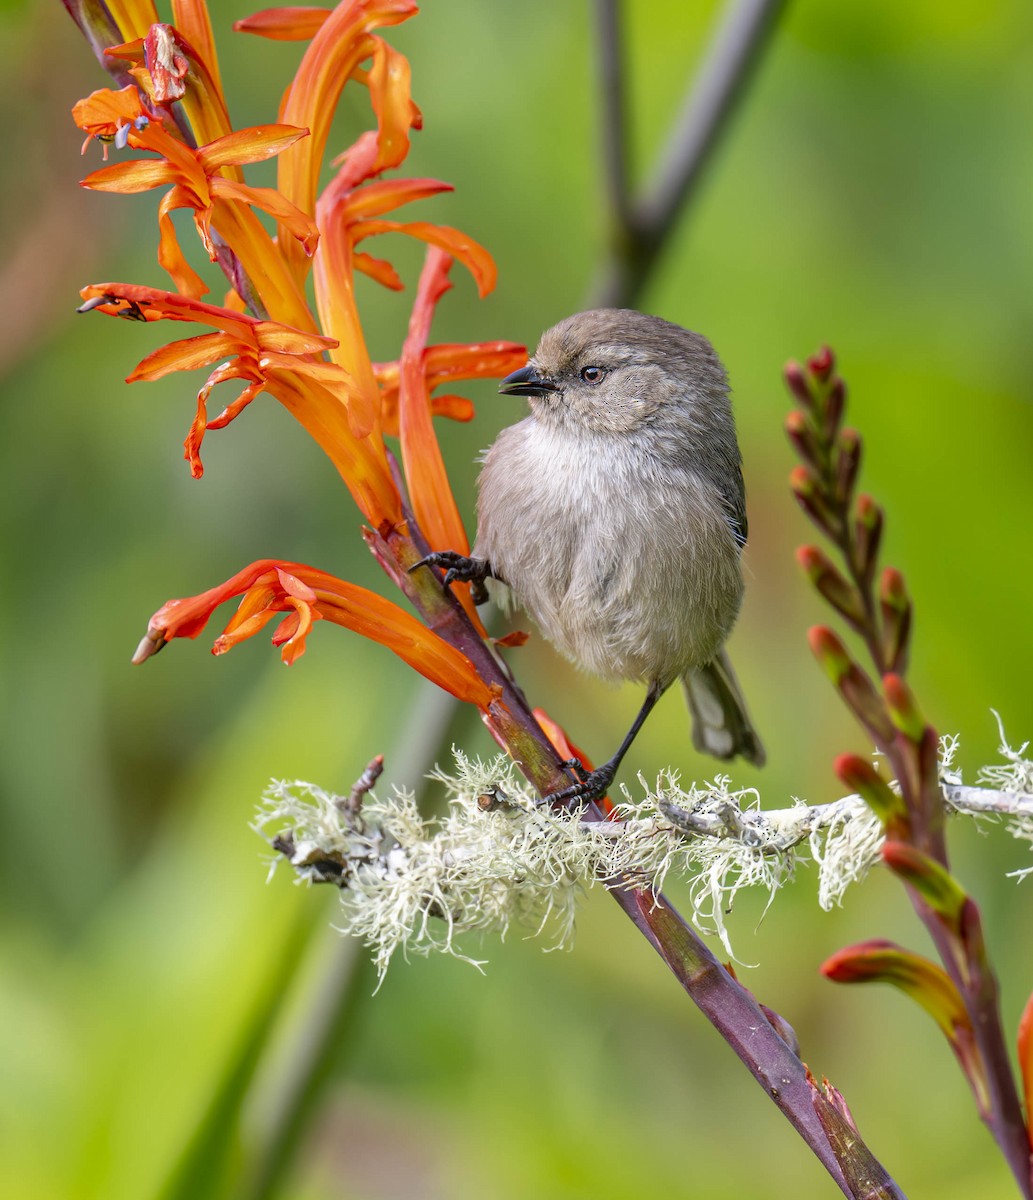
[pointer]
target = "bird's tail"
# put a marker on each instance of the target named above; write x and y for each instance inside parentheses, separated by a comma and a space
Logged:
(721, 725)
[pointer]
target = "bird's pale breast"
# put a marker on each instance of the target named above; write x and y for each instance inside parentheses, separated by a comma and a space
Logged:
(625, 562)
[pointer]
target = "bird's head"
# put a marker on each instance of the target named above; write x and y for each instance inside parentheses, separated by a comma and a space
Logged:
(614, 370)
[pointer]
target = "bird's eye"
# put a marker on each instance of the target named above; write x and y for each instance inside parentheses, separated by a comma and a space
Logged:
(593, 374)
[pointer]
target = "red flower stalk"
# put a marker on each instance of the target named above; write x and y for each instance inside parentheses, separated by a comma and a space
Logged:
(962, 995)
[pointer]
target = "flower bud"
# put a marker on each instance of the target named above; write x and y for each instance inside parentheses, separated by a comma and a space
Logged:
(895, 606)
(830, 583)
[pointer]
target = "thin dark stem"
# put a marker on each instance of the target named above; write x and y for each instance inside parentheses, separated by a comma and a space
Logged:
(728, 69)
(740, 1020)
(331, 1023)
(613, 127)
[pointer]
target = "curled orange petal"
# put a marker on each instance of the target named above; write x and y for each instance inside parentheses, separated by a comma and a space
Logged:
(378, 269)
(388, 80)
(294, 24)
(432, 499)
(255, 144)
(134, 175)
(183, 355)
(298, 224)
(454, 242)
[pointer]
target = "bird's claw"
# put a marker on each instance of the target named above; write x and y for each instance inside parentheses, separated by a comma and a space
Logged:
(592, 785)
(459, 568)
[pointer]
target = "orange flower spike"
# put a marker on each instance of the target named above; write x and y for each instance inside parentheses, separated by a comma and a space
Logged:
(274, 288)
(336, 50)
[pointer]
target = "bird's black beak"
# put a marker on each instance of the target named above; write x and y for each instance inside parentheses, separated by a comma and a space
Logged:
(526, 382)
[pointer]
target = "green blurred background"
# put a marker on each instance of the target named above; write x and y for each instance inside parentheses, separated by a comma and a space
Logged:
(875, 193)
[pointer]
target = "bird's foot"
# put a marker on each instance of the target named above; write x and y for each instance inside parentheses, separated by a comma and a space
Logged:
(460, 568)
(591, 785)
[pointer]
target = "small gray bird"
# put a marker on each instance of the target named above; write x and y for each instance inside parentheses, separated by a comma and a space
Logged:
(615, 516)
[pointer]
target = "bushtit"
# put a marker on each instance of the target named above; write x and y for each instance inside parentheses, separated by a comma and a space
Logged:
(615, 516)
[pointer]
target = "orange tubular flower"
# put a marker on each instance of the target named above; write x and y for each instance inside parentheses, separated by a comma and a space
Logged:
(342, 42)
(268, 357)
(449, 363)
(269, 587)
(196, 184)
(110, 116)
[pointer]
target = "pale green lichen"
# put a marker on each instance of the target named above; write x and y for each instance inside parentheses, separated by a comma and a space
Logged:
(497, 858)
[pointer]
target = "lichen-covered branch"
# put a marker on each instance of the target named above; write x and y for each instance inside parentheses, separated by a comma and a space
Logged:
(498, 858)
